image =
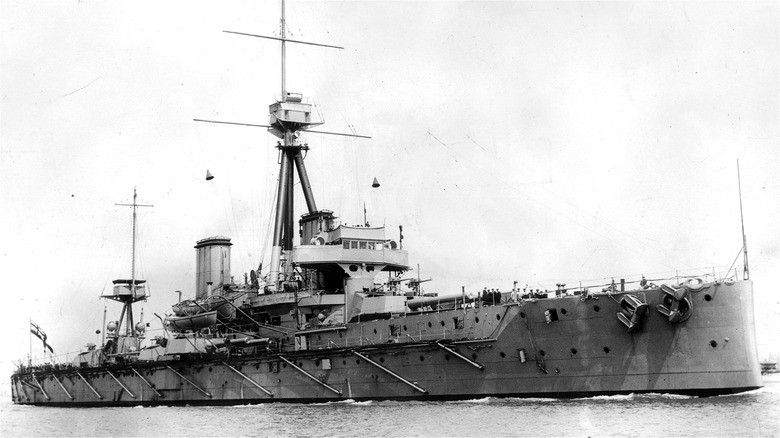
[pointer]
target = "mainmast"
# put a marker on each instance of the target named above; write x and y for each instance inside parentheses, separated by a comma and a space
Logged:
(131, 295)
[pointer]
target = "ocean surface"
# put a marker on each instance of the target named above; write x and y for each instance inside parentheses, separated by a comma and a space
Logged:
(755, 413)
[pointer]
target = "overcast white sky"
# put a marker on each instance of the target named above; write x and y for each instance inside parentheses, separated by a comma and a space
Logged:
(541, 142)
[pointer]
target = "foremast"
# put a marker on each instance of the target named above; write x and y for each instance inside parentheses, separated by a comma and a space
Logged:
(335, 260)
(287, 116)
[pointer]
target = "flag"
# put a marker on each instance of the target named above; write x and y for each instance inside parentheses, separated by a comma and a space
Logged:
(34, 329)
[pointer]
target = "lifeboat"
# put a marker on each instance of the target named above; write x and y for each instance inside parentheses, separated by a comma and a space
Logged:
(633, 312)
(187, 308)
(677, 305)
(225, 306)
(191, 322)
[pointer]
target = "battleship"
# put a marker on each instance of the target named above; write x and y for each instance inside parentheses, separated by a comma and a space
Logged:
(336, 314)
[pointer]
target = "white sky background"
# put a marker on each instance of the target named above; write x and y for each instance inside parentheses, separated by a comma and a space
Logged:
(541, 142)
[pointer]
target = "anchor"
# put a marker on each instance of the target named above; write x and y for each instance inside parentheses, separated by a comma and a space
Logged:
(633, 312)
(677, 305)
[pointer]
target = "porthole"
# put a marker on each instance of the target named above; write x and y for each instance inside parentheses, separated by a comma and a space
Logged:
(300, 364)
(606, 350)
(343, 362)
(542, 353)
(317, 363)
(502, 354)
(522, 314)
(429, 324)
(573, 351)
(357, 361)
(447, 357)
(476, 319)
(370, 268)
(374, 331)
(353, 268)
(713, 343)
(596, 308)
(563, 311)
(442, 323)
(474, 356)
(422, 358)
(498, 317)
(708, 297)
(284, 365)
(382, 360)
(210, 369)
(404, 327)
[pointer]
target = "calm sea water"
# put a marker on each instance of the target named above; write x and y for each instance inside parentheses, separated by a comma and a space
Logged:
(756, 413)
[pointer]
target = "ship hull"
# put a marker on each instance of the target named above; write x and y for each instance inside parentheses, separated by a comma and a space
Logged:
(513, 349)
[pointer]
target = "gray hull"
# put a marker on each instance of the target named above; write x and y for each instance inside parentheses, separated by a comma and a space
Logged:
(503, 350)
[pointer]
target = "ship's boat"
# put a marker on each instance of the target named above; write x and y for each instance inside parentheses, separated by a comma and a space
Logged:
(335, 315)
(191, 322)
(225, 305)
(769, 367)
(186, 308)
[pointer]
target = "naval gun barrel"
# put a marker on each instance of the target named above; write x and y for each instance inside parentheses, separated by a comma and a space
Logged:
(417, 302)
(240, 342)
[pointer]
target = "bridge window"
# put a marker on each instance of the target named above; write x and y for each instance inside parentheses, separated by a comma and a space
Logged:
(357, 244)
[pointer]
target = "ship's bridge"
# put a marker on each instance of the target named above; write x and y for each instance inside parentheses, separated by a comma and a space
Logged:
(357, 234)
(352, 245)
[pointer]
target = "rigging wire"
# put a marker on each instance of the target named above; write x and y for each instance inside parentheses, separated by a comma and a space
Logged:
(269, 227)
(269, 198)
(236, 229)
(358, 177)
(495, 176)
(588, 213)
